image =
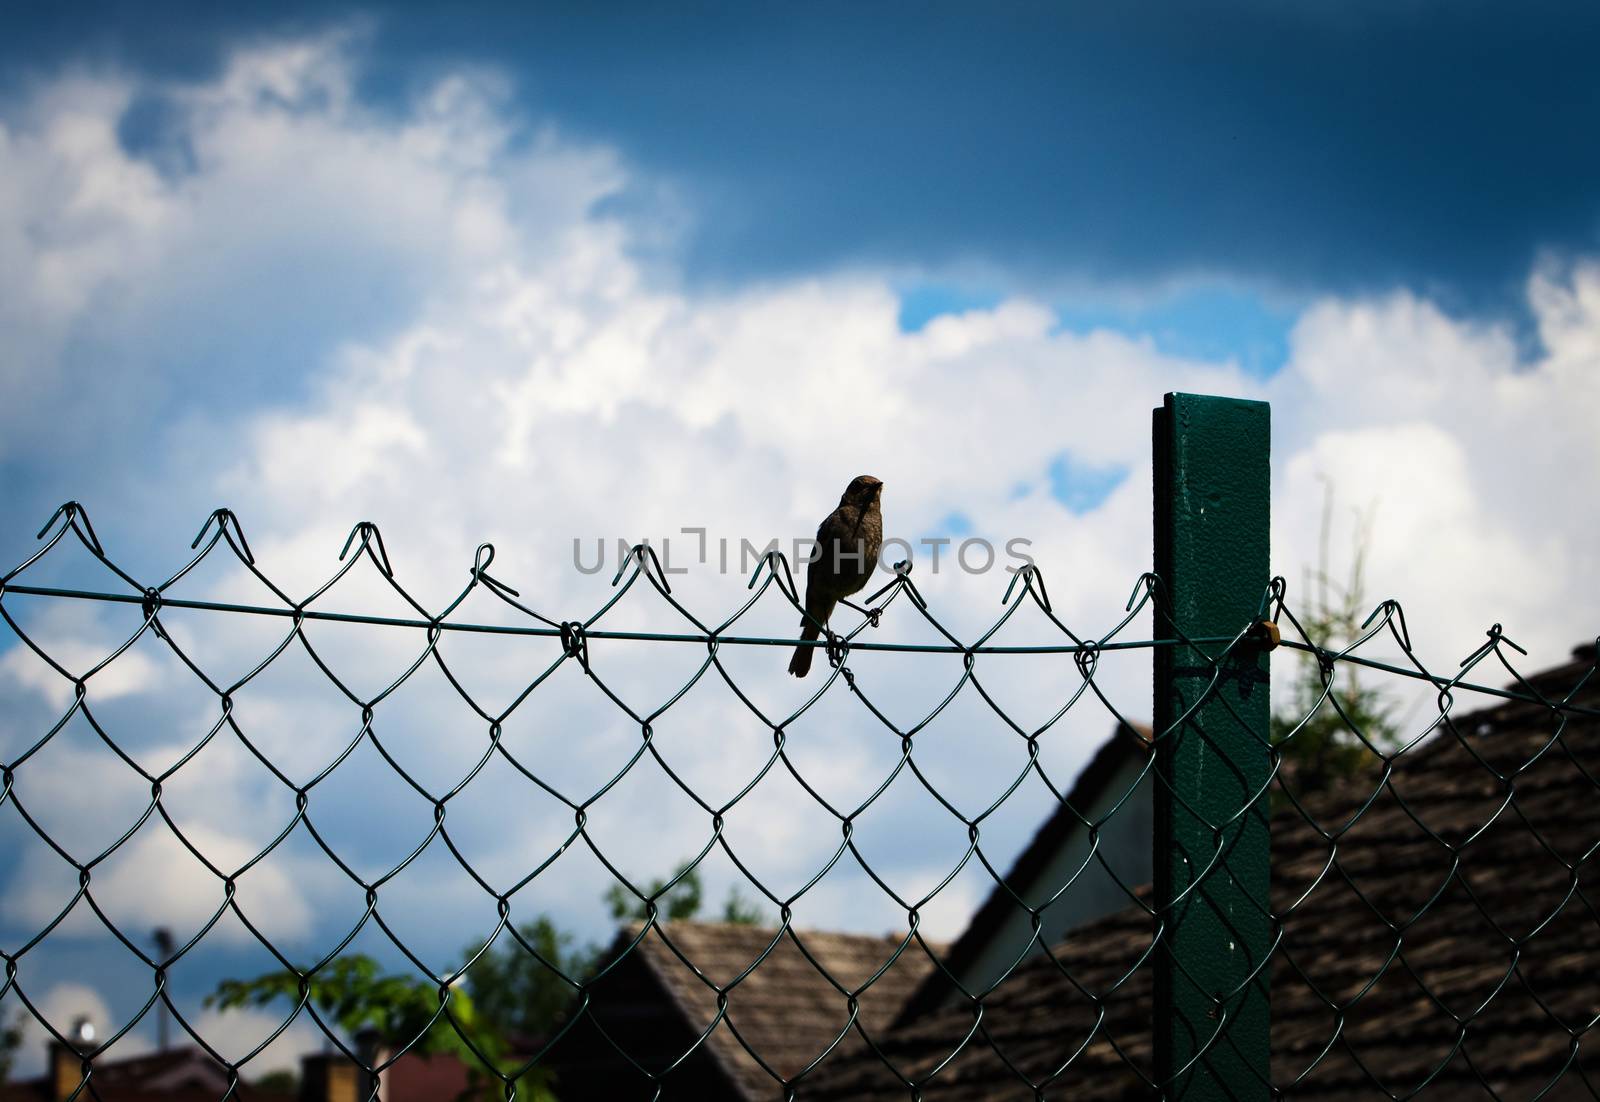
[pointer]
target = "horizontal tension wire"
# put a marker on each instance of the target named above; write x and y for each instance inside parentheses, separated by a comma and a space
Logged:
(637, 636)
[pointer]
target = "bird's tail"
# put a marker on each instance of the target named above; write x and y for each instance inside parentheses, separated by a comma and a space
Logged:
(800, 664)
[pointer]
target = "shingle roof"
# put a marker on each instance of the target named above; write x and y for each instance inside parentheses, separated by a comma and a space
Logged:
(786, 1009)
(183, 1073)
(1451, 935)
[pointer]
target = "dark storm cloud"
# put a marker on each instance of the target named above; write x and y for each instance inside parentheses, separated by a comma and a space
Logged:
(1310, 147)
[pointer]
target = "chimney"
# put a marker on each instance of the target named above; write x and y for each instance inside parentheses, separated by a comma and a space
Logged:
(333, 1077)
(66, 1066)
(371, 1050)
(329, 1077)
(65, 1071)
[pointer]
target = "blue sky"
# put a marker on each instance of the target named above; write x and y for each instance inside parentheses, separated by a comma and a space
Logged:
(531, 273)
(1300, 149)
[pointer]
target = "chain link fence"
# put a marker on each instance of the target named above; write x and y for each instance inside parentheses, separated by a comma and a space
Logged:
(1381, 888)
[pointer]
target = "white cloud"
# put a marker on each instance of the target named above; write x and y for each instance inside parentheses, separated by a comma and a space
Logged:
(1467, 457)
(62, 1005)
(78, 642)
(153, 880)
(84, 797)
(236, 1033)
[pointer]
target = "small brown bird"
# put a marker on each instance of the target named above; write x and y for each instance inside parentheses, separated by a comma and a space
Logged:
(847, 552)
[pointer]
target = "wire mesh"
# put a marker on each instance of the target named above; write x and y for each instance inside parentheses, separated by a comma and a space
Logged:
(1430, 921)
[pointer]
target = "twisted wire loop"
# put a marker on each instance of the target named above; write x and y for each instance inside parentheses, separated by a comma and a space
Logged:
(1432, 908)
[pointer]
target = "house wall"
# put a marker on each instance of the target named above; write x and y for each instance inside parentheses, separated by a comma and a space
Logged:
(1125, 841)
(641, 1018)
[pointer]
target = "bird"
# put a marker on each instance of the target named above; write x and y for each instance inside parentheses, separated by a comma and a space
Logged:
(848, 542)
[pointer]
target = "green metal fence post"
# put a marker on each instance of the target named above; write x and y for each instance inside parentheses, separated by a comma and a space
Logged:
(1212, 850)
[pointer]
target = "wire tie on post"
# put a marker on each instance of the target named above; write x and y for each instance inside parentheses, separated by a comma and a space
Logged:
(1264, 634)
